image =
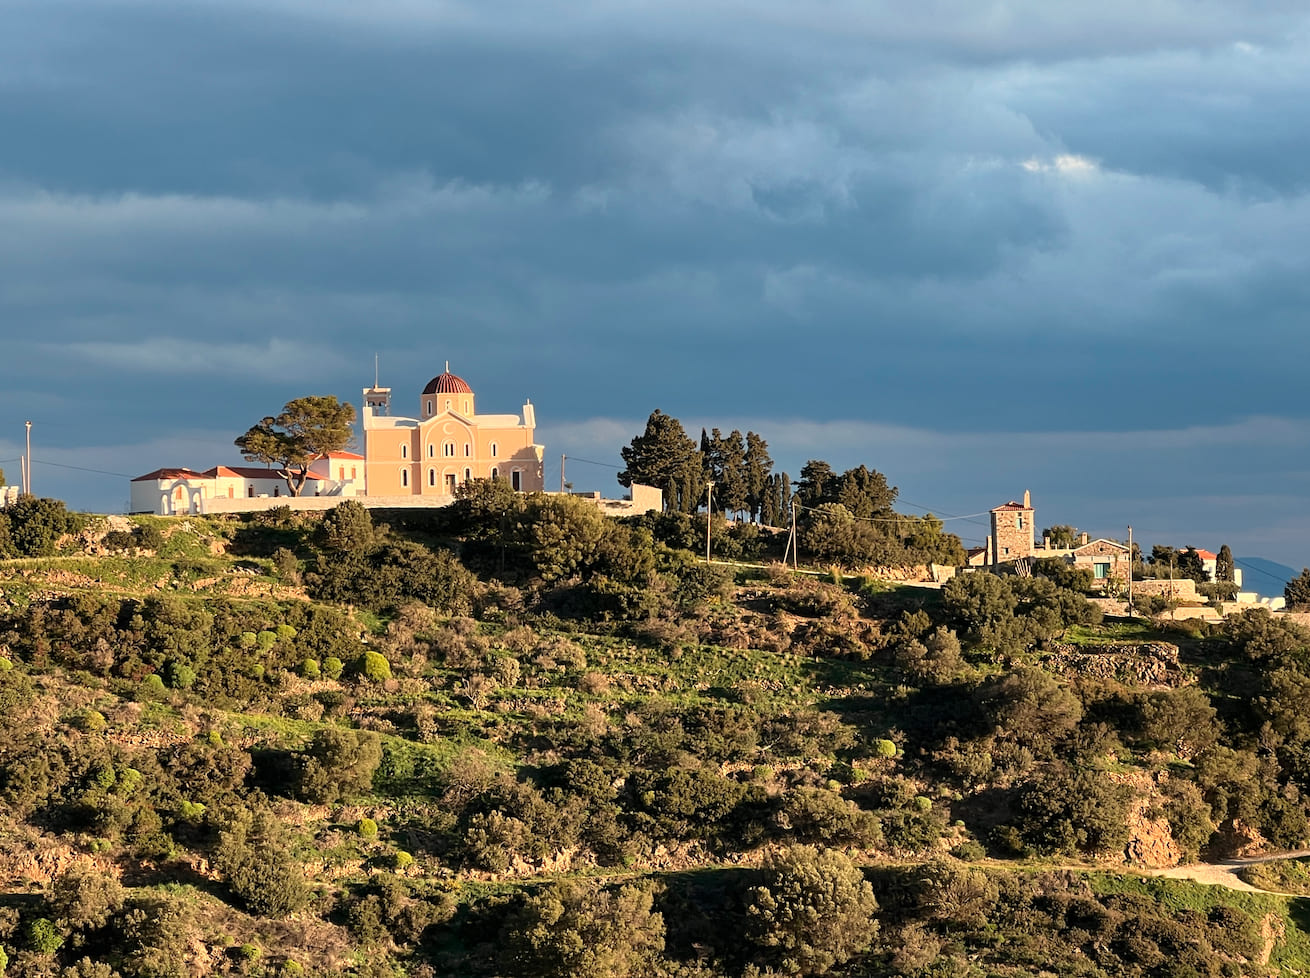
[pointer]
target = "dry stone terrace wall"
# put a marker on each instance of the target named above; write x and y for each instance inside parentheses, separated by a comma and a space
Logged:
(1147, 664)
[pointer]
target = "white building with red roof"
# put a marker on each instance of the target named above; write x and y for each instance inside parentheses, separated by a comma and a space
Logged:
(179, 491)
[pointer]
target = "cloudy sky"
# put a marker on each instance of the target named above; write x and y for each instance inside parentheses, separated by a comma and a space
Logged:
(981, 246)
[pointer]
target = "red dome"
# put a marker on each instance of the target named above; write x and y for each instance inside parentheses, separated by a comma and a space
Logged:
(447, 383)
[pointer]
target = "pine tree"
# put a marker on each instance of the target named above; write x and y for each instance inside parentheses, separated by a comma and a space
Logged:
(817, 482)
(731, 488)
(659, 457)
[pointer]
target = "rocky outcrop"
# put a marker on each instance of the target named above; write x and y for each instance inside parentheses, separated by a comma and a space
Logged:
(1147, 664)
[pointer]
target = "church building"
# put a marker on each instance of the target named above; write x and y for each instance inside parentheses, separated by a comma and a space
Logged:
(447, 444)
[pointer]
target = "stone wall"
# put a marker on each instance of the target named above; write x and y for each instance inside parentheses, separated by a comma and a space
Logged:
(1146, 664)
(1180, 589)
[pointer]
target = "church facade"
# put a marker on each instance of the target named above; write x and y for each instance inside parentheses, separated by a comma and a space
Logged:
(446, 443)
(406, 461)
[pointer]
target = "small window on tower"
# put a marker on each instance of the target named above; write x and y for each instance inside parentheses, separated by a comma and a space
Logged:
(404, 450)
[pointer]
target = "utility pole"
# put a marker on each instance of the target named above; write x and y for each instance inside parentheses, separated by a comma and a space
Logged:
(795, 542)
(27, 469)
(562, 459)
(1130, 570)
(709, 514)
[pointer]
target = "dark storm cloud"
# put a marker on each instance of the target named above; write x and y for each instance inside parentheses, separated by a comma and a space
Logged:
(1051, 224)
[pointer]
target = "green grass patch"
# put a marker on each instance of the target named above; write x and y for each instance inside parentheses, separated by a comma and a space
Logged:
(1280, 875)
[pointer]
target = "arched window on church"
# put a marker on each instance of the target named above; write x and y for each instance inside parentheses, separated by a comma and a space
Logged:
(404, 450)
(404, 478)
(432, 477)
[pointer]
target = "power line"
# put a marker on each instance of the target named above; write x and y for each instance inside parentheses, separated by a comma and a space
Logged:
(574, 458)
(79, 468)
(901, 519)
(1259, 570)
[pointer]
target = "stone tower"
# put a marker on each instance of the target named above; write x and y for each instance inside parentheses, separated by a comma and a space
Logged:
(1012, 531)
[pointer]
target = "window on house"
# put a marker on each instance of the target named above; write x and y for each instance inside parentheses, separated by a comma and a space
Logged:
(1005, 551)
(1101, 569)
(404, 478)
(230, 493)
(404, 450)
(495, 473)
(352, 472)
(277, 490)
(493, 449)
(515, 480)
(429, 407)
(250, 491)
(448, 449)
(341, 473)
(1021, 521)
(432, 449)
(468, 450)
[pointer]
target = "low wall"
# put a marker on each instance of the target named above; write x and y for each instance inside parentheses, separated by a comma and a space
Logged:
(1147, 663)
(1181, 589)
(319, 504)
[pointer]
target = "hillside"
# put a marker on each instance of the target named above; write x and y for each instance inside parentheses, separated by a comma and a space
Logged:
(516, 738)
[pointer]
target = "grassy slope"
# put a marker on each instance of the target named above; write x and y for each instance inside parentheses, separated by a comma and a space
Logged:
(498, 725)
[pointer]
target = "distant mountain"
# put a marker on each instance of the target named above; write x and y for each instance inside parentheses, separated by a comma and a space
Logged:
(1265, 576)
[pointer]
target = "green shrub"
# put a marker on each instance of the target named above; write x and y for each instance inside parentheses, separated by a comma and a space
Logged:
(42, 936)
(333, 667)
(180, 675)
(367, 828)
(815, 911)
(253, 856)
(374, 667)
(339, 763)
(89, 721)
(402, 860)
(309, 669)
(152, 687)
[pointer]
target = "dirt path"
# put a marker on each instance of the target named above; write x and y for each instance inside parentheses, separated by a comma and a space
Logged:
(1225, 873)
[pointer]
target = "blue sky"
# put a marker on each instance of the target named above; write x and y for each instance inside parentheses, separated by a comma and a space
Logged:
(979, 246)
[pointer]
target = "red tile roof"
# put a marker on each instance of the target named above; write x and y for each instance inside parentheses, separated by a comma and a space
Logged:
(249, 472)
(1011, 505)
(182, 473)
(1206, 555)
